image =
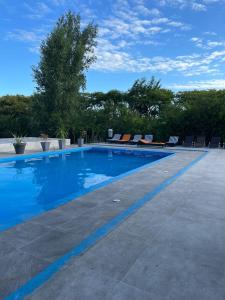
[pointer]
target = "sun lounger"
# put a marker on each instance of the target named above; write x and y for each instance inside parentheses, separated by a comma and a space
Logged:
(200, 141)
(173, 141)
(125, 139)
(215, 142)
(157, 144)
(188, 142)
(136, 139)
(148, 139)
(115, 138)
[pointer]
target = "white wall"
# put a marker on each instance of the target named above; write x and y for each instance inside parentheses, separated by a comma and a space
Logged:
(32, 144)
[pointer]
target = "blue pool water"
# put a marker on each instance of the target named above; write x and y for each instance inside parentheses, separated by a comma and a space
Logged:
(40, 182)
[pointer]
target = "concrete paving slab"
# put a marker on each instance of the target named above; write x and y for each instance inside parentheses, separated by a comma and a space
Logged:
(53, 244)
(114, 255)
(23, 233)
(77, 283)
(5, 247)
(166, 270)
(124, 291)
(16, 268)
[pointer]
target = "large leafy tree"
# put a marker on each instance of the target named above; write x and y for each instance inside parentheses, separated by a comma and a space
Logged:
(66, 54)
(148, 98)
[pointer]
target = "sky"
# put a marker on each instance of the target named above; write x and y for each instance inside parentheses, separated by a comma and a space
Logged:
(180, 42)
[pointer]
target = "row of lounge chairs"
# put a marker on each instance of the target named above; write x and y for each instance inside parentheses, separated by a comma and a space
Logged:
(189, 141)
(138, 139)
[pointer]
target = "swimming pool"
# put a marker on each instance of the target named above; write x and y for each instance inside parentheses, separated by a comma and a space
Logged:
(35, 183)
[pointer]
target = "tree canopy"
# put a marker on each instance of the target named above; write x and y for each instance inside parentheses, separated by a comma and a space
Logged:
(183, 113)
(66, 54)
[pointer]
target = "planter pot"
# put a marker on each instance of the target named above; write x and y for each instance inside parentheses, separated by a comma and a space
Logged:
(45, 145)
(62, 144)
(19, 148)
(80, 142)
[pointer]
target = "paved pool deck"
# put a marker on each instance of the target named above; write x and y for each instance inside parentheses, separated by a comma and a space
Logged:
(171, 247)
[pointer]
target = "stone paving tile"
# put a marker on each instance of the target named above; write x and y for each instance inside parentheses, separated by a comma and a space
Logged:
(146, 228)
(75, 283)
(16, 268)
(5, 247)
(196, 232)
(23, 233)
(53, 244)
(93, 219)
(57, 217)
(165, 270)
(212, 210)
(53, 218)
(113, 256)
(123, 291)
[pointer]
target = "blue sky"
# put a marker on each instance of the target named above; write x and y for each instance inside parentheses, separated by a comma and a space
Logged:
(181, 42)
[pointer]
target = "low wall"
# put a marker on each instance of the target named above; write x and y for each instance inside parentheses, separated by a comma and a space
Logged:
(32, 144)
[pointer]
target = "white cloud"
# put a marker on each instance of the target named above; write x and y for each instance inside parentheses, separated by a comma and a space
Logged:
(112, 59)
(24, 36)
(141, 7)
(137, 22)
(58, 2)
(217, 84)
(212, 33)
(31, 38)
(213, 44)
(200, 5)
(37, 10)
(35, 49)
(207, 44)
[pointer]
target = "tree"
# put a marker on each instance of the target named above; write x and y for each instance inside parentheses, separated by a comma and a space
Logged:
(148, 98)
(202, 112)
(66, 54)
(15, 115)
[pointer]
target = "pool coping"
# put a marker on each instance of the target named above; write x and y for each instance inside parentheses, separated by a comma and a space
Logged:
(98, 234)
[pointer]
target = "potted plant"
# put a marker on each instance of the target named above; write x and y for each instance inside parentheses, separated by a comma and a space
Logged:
(80, 140)
(19, 144)
(45, 144)
(62, 134)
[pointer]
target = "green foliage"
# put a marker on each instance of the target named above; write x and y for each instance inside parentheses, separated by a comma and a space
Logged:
(15, 115)
(201, 113)
(83, 134)
(61, 132)
(163, 114)
(18, 139)
(148, 98)
(66, 54)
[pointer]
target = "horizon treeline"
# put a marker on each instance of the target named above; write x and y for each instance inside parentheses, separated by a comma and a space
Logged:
(144, 108)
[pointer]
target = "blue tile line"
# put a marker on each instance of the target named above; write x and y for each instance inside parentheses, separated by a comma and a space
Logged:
(74, 197)
(95, 236)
